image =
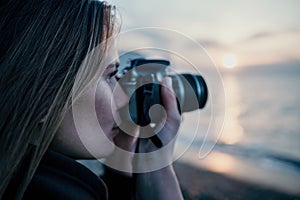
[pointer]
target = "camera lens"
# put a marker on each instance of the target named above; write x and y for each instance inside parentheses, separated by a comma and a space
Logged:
(192, 91)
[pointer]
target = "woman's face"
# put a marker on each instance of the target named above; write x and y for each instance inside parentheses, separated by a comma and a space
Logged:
(80, 136)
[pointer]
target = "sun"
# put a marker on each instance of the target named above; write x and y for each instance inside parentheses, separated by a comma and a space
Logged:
(229, 60)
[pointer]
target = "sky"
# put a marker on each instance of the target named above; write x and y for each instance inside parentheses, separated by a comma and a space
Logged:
(257, 32)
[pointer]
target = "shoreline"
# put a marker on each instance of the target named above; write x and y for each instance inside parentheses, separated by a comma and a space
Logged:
(198, 184)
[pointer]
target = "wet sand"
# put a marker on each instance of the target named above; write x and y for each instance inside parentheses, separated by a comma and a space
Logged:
(200, 184)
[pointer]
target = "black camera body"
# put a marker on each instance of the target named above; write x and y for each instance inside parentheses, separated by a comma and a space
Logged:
(141, 81)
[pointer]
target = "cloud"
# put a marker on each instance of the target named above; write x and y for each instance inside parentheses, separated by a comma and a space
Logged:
(260, 35)
(210, 43)
(266, 34)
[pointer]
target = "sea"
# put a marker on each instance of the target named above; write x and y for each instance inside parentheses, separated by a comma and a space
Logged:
(257, 138)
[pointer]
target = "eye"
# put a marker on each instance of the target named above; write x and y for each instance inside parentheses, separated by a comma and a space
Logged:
(111, 75)
(112, 71)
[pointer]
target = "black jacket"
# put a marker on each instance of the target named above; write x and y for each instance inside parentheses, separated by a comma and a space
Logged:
(60, 177)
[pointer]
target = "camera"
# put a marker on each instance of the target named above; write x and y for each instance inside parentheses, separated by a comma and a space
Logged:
(141, 81)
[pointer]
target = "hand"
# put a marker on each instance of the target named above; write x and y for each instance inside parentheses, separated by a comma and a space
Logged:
(165, 135)
(171, 124)
(161, 184)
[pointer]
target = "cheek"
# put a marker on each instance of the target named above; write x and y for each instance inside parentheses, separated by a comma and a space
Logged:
(103, 106)
(86, 140)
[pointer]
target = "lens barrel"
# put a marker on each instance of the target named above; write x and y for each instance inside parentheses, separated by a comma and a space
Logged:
(195, 92)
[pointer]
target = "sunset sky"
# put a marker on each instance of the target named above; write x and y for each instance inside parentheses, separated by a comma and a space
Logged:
(257, 32)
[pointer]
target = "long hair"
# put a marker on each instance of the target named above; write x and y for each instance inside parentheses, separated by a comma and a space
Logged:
(42, 45)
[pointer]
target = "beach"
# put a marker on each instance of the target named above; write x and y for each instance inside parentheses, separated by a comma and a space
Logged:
(201, 184)
(198, 183)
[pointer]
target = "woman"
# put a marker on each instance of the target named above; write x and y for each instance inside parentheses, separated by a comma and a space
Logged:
(55, 55)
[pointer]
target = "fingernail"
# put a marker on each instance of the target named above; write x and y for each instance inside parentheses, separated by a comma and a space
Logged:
(169, 82)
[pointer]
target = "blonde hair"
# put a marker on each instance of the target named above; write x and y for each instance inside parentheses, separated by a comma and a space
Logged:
(42, 45)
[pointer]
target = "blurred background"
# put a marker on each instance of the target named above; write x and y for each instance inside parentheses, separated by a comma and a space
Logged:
(254, 46)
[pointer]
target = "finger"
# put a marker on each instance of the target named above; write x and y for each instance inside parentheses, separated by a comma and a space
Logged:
(169, 98)
(126, 141)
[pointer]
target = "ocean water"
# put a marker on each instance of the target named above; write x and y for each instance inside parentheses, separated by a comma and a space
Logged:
(260, 137)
